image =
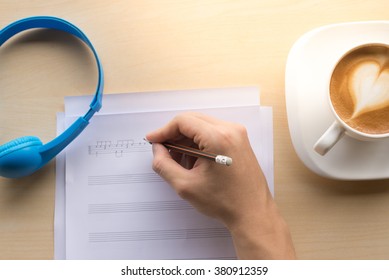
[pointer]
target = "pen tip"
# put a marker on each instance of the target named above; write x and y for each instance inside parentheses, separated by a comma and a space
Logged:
(145, 139)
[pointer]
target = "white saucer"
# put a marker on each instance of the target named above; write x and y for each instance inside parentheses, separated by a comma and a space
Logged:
(309, 65)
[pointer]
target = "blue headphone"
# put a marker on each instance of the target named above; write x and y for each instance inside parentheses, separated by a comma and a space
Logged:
(25, 155)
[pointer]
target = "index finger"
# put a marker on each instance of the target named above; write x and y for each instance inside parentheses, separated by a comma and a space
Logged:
(188, 125)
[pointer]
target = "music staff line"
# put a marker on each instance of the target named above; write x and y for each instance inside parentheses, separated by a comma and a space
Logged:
(136, 178)
(118, 147)
(129, 236)
(126, 207)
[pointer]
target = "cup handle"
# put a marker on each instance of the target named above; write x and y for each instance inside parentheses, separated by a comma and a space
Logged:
(329, 138)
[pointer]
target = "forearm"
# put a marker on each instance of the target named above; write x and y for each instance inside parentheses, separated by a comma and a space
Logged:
(263, 237)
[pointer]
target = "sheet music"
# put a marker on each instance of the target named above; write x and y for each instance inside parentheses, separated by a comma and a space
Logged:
(155, 101)
(118, 208)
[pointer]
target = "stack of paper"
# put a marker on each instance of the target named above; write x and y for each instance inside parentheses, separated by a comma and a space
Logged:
(109, 202)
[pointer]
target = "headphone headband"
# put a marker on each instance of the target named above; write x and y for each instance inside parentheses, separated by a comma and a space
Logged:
(10, 154)
(62, 25)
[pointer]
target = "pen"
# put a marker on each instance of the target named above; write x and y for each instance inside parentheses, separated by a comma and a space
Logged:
(225, 160)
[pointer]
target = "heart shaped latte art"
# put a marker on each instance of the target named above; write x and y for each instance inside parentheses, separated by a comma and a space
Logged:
(369, 87)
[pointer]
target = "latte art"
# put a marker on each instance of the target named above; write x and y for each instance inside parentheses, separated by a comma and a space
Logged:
(369, 88)
(359, 89)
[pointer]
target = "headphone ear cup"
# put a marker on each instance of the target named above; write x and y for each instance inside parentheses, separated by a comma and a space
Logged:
(19, 143)
(20, 157)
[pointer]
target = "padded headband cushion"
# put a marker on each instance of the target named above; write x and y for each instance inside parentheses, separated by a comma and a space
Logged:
(19, 143)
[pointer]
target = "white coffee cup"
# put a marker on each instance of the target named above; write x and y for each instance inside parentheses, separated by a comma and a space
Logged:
(365, 81)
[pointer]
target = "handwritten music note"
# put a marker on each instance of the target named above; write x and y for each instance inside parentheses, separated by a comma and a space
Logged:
(118, 147)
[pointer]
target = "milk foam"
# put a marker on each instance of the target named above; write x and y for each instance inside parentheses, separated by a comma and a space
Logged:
(369, 87)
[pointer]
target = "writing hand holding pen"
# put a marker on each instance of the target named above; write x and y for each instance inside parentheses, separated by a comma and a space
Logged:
(236, 195)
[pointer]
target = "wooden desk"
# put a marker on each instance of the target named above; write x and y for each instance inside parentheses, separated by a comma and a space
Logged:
(183, 44)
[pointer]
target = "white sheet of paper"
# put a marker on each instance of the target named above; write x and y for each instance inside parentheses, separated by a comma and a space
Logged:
(118, 208)
(138, 102)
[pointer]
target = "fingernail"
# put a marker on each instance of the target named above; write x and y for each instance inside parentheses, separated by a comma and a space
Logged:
(155, 147)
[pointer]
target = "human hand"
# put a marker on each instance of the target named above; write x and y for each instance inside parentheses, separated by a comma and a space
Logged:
(236, 195)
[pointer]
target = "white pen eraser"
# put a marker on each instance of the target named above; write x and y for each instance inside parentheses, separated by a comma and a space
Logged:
(223, 160)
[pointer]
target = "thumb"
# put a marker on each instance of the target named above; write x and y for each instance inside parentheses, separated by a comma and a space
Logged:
(166, 167)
